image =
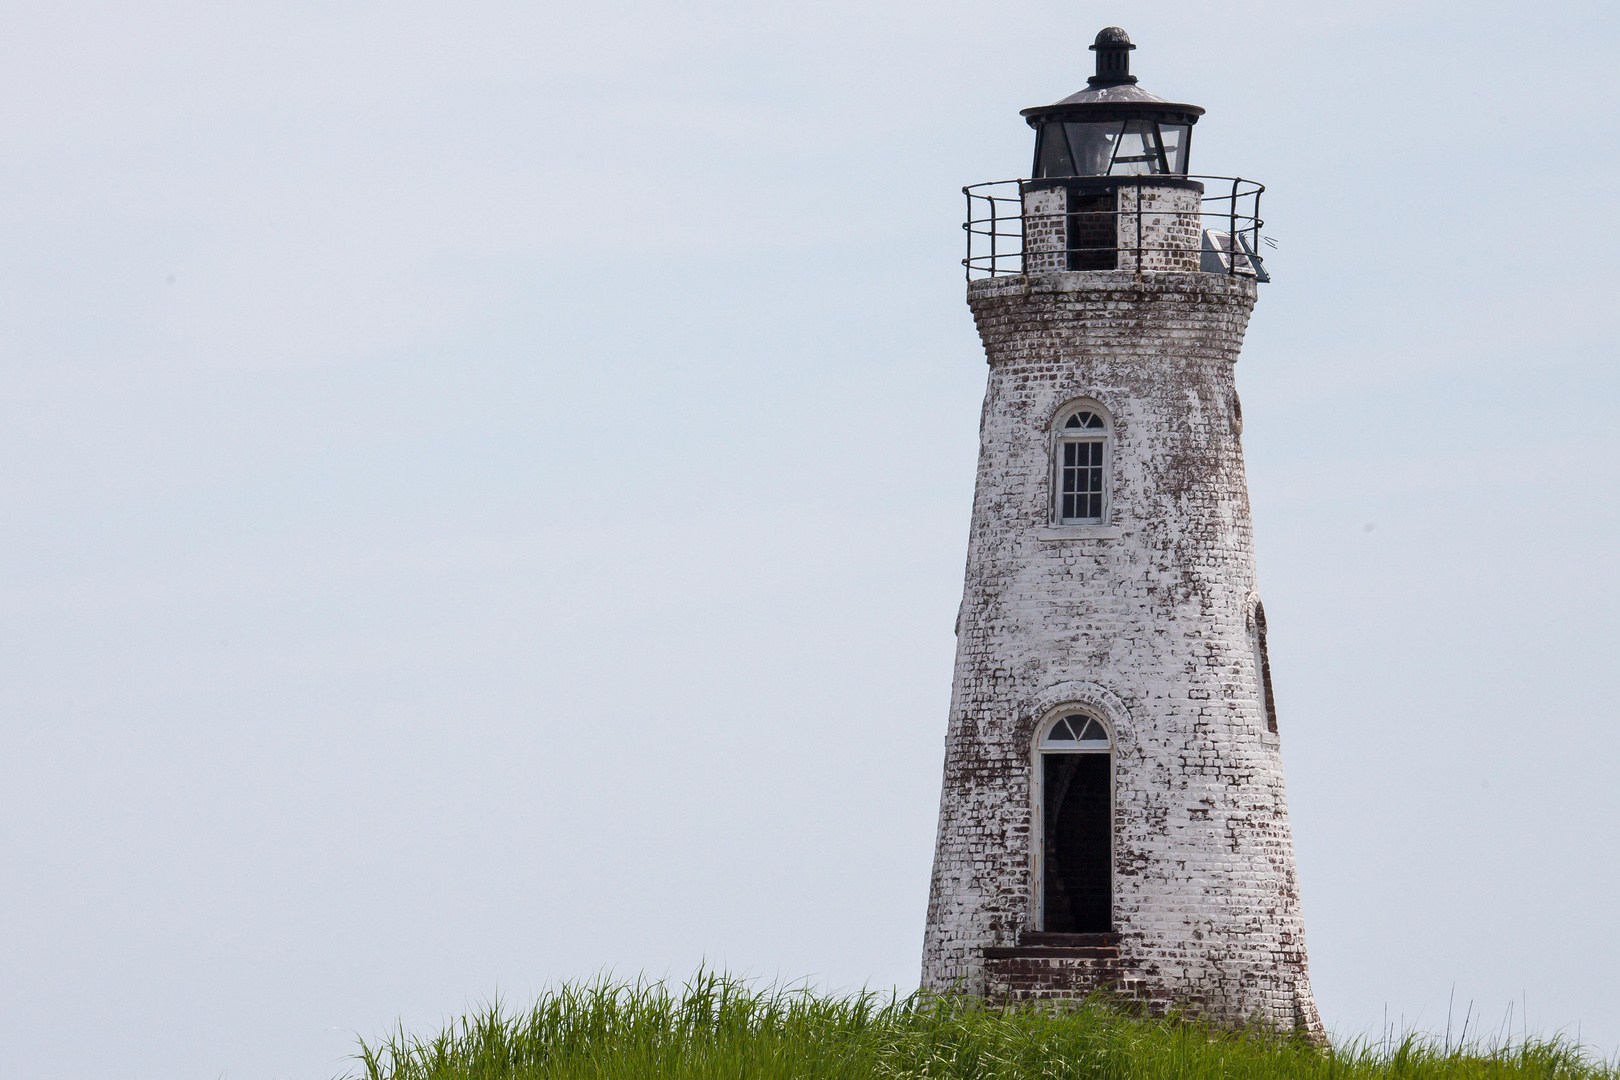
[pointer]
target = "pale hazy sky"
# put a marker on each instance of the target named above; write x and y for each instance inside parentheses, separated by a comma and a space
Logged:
(486, 488)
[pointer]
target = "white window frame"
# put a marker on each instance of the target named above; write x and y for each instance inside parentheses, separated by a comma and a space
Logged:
(1062, 437)
(1037, 833)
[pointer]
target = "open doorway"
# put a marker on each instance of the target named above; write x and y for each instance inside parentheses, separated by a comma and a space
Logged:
(1076, 769)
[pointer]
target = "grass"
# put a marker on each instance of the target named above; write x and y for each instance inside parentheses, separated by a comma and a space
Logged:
(719, 1028)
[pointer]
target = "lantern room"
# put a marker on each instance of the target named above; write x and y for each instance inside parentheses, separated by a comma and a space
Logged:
(1112, 189)
(1113, 127)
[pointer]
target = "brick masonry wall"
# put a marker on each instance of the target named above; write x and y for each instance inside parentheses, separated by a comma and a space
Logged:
(1145, 621)
(1046, 233)
(1172, 231)
(1171, 236)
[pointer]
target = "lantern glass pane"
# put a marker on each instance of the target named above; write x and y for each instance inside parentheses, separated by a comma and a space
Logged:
(1054, 159)
(1138, 150)
(1174, 138)
(1092, 146)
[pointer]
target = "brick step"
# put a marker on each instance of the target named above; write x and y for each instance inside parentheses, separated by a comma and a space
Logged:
(1084, 941)
(1051, 966)
(1074, 952)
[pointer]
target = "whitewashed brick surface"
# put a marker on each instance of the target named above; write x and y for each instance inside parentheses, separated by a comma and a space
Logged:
(1165, 223)
(1170, 236)
(1146, 622)
(1046, 233)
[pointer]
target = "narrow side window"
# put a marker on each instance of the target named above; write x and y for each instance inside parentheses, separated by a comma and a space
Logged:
(1262, 664)
(1081, 497)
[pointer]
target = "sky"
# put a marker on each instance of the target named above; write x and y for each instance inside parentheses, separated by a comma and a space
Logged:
(485, 491)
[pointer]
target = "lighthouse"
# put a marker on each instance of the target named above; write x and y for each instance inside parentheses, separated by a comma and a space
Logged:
(1113, 814)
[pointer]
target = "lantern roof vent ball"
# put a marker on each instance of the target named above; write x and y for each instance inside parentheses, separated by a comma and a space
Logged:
(1113, 48)
(1112, 93)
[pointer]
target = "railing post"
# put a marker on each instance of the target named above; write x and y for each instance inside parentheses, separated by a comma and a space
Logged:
(1139, 230)
(1023, 234)
(994, 266)
(1231, 230)
(1257, 224)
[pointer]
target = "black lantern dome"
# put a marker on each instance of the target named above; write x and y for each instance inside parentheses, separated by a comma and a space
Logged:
(1113, 127)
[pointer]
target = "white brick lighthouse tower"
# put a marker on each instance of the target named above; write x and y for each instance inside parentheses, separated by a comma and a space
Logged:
(1113, 810)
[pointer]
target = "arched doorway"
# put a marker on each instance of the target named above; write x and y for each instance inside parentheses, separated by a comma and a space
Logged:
(1075, 863)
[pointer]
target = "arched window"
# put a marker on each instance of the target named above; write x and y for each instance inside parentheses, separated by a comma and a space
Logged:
(1075, 877)
(1262, 665)
(1076, 732)
(1080, 495)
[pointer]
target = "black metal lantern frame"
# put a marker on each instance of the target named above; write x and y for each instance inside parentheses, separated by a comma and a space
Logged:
(1156, 144)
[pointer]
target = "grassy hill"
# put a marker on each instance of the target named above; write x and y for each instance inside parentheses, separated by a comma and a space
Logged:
(720, 1028)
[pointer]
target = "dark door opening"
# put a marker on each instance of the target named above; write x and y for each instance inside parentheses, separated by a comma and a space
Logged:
(1078, 846)
(1093, 229)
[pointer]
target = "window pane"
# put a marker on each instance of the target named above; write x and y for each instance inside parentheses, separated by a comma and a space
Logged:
(1174, 138)
(1080, 476)
(1138, 150)
(1093, 146)
(1094, 420)
(1093, 732)
(1061, 732)
(1054, 152)
(1074, 421)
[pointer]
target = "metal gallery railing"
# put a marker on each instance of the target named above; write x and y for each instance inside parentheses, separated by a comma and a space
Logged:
(1230, 229)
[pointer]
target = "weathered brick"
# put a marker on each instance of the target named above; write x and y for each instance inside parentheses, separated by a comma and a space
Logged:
(1149, 623)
